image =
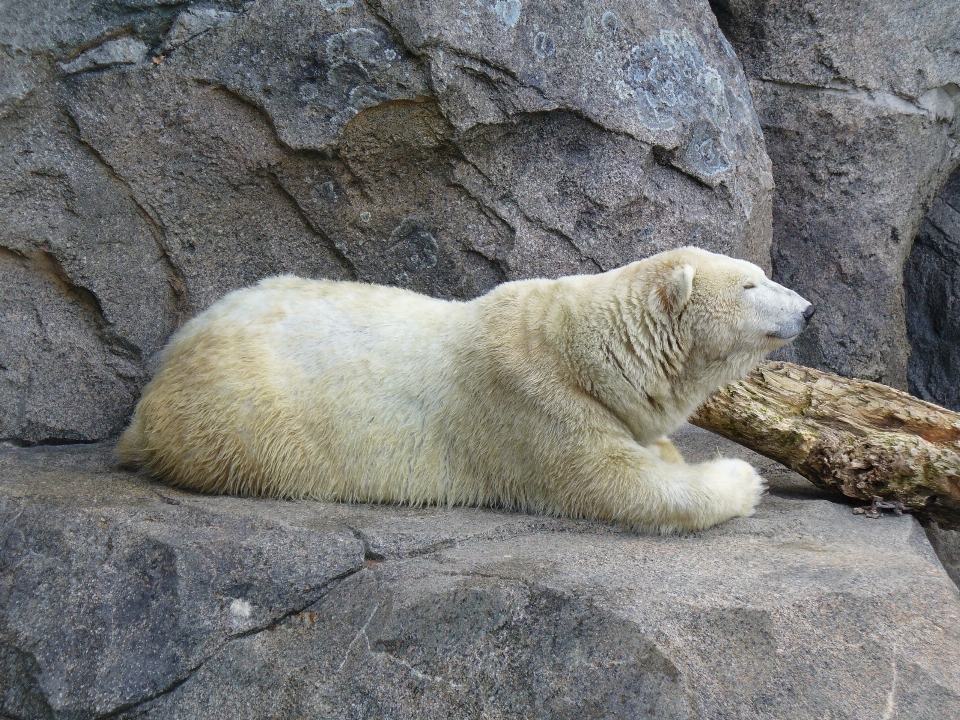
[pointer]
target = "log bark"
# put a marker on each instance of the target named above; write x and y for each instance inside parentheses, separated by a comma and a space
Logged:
(856, 437)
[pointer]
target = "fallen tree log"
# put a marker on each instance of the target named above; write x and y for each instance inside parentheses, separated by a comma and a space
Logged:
(856, 437)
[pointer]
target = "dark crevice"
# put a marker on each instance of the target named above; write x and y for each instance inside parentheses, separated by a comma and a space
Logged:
(931, 279)
(489, 211)
(369, 554)
(721, 8)
(538, 524)
(372, 556)
(342, 259)
(321, 591)
(333, 154)
(484, 62)
(666, 158)
(115, 343)
(949, 557)
(166, 691)
(497, 264)
(499, 77)
(581, 115)
(806, 87)
(178, 285)
(512, 580)
(166, 499)
(43, 261)
(557, 233)
(496, 83)
(50, 441)
(437, 547)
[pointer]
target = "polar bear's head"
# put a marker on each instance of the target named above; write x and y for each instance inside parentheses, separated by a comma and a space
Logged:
(725, 311)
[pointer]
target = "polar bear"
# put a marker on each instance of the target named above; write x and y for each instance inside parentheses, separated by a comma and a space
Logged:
(548, 396)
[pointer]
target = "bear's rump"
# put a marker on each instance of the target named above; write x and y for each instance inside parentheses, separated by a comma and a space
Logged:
(326, 399)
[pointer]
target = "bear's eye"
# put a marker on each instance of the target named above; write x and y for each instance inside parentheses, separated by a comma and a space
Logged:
(749, 285)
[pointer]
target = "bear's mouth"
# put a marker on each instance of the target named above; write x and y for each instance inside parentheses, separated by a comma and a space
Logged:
(794, 326)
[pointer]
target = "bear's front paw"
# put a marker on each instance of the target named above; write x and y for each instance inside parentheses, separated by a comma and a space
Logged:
(737, 484)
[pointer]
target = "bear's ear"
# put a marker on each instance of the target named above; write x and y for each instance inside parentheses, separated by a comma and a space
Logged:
(677, 288)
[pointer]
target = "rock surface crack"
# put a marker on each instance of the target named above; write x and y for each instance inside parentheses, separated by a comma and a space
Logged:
(362, 632)
(317, 593)
(487, 207)
(157, 230)
(341, 257)
(874, 98)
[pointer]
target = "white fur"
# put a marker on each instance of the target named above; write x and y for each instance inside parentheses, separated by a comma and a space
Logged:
(551, 396)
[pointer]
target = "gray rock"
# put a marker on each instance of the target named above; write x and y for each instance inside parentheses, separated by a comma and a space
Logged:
(120, 596)
(861, 114)
(191, 23)
(89, 293)
(62, 327)
(932, 286)
(445, 148)
(124, 51)
(62, 31)
(144, 584)
(946, 543)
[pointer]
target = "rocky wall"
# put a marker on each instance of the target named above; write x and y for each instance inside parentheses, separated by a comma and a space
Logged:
(154, 156)
(860, 107)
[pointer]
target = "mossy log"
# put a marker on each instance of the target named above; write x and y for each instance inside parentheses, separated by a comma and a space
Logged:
(856, 437)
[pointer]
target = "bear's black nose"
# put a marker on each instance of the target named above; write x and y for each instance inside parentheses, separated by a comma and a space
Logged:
(808, 313)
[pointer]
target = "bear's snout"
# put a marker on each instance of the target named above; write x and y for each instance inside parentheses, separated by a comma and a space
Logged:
(807, 314)
(788, 312)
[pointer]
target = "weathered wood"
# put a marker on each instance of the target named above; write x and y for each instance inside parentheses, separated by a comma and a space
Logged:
(859, 438)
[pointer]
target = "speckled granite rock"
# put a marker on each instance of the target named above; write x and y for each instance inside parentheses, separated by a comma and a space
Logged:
(946, 543)
(121, 597)
(860, 107)
(154, 156)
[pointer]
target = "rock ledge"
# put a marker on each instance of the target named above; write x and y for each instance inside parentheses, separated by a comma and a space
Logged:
(120, 597)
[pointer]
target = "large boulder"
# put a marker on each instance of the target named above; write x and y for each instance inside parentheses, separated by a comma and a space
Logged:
(121, 597)
(154, 156)
(860, 107)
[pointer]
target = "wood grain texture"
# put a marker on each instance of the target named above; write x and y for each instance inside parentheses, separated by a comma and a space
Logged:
(852, 436)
